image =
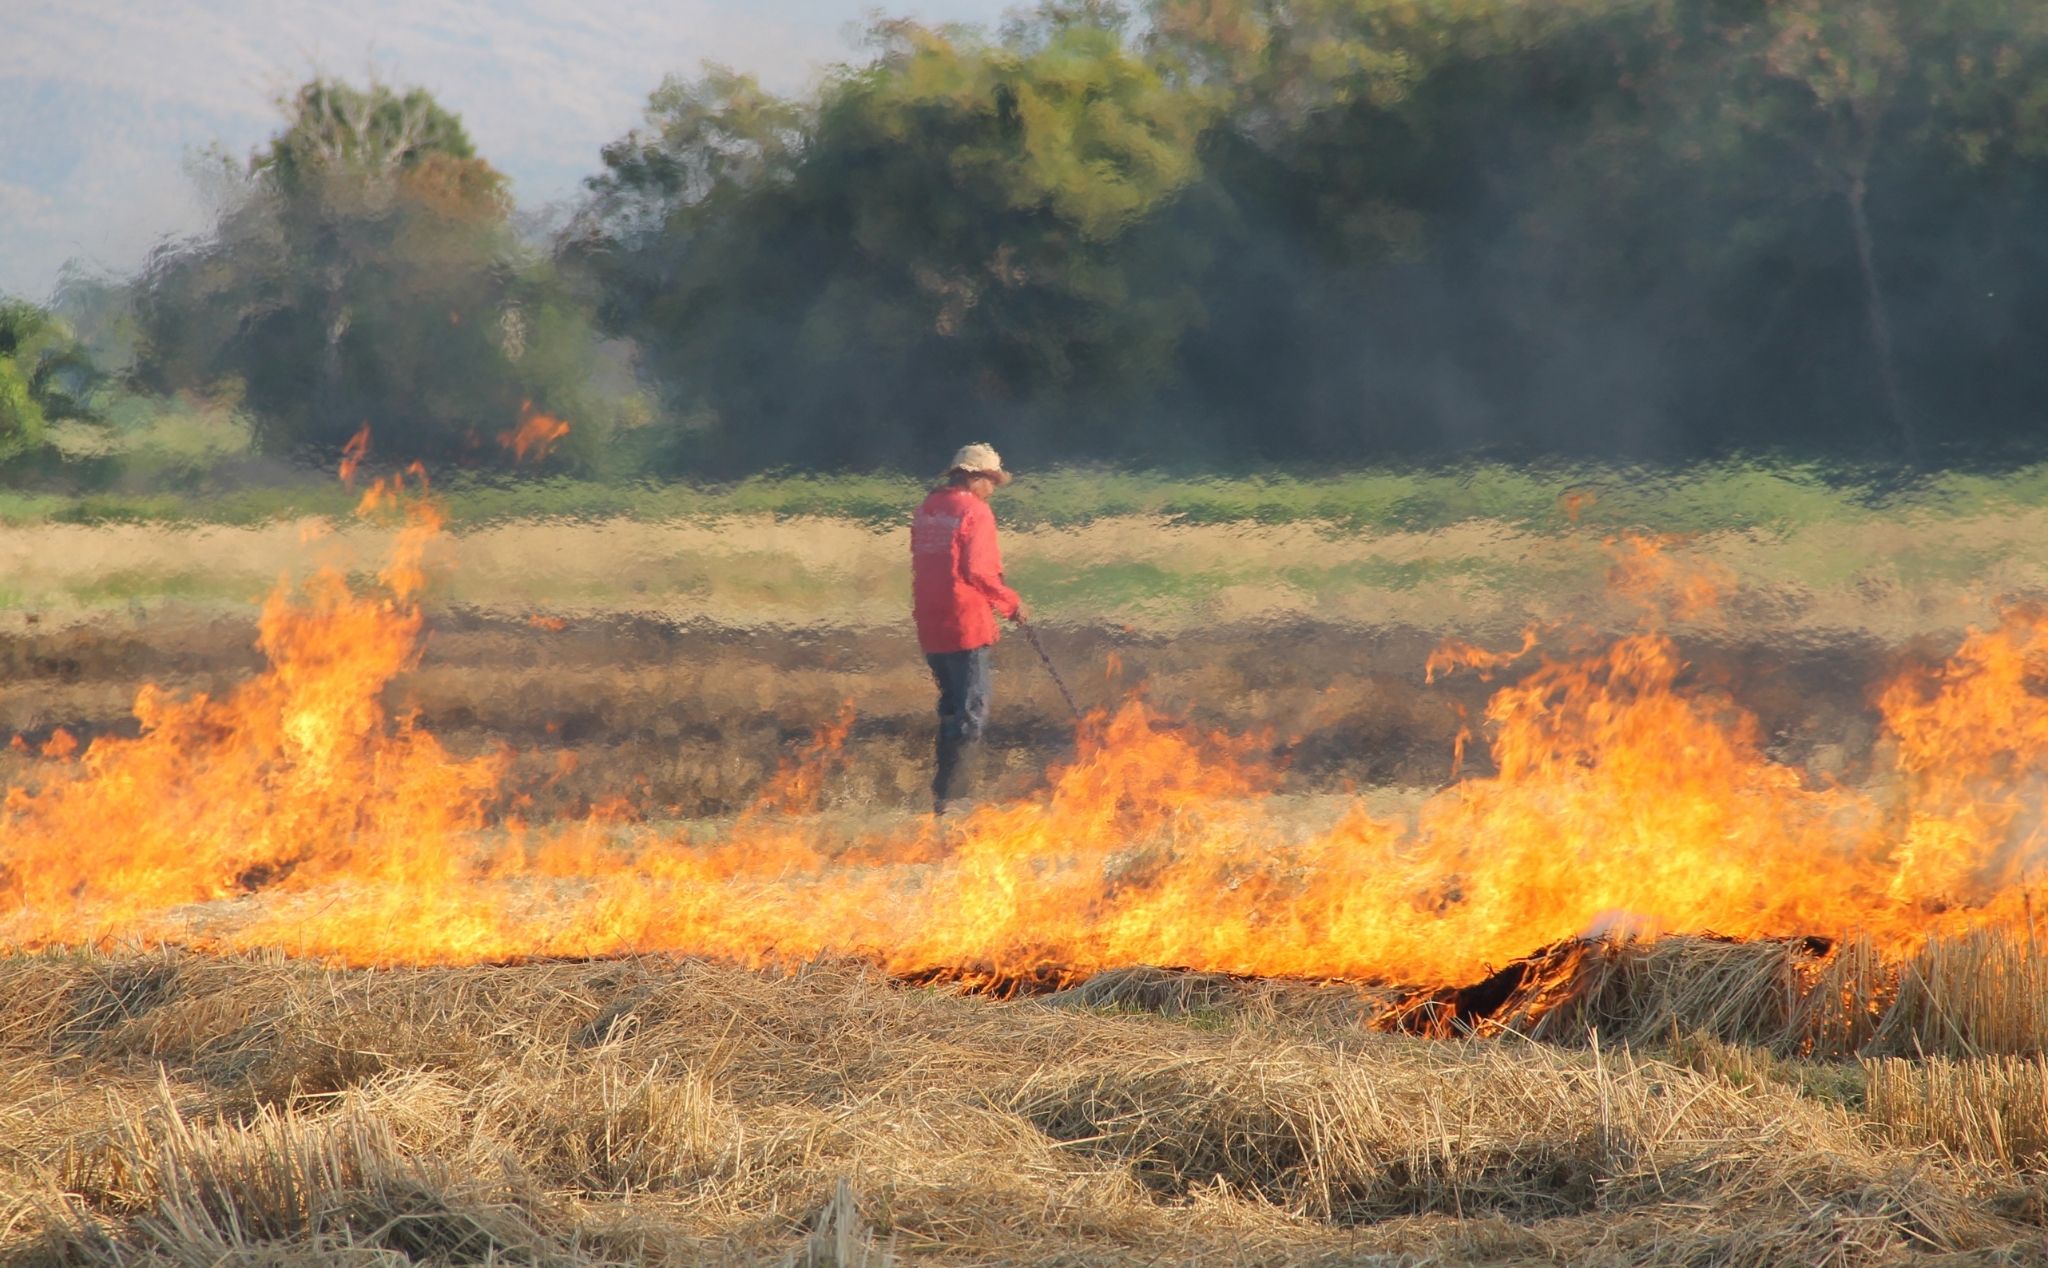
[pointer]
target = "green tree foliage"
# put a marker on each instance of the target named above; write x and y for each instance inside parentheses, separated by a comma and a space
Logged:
(1643, 225)
(1861, 91)
(958, 229)
(21, 419)
(44, 377)
(1301, 231)
(367, 272)
(1309, 230)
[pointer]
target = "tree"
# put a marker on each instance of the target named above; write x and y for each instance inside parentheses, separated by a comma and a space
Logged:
(944, 233)
(1404, 265)
(45, 376)
(1880, 97)
(368, 273)
(1660, 226)
(343, 141)
(1847, 66)
(21, 417)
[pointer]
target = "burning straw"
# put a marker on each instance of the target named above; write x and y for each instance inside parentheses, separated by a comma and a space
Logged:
(301, 812)
(1984, 993)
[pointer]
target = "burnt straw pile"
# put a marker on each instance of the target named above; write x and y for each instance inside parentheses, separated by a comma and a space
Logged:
(1978, 993)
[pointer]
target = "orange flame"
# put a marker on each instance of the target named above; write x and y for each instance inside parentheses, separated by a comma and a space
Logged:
(799, 785)
(353, 453)
(1625, 798)
(1972, 741)
(536, 436)
(297, 778)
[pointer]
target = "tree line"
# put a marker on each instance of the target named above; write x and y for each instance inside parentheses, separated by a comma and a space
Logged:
(1184, 232)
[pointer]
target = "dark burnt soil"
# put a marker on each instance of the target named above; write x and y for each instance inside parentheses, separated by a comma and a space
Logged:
(695, 720)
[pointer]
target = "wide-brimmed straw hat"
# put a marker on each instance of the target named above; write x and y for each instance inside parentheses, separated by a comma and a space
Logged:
(981, 460)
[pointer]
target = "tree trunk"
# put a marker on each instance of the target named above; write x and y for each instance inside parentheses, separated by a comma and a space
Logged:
(327, 390)
(1879, 319)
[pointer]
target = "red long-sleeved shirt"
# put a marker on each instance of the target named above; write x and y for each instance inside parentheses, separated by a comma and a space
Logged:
(956, 572)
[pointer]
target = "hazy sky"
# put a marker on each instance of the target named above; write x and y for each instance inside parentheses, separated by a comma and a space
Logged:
(101, 101)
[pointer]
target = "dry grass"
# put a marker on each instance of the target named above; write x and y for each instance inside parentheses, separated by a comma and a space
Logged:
(1733, 992)
(1991, 1111)
(694, 722)
(1986, 992)
(1895, 576)
(189, 1110)
(338, 1184)
(1981, 992)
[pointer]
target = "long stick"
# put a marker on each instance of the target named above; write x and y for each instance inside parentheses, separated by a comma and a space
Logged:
(1031, 633)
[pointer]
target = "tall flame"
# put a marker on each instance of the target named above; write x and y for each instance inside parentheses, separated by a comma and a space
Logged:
(298, 777)
(1623, 795)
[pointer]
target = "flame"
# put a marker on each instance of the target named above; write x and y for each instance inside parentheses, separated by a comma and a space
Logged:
(1972, 746)
(536, 436)
(300, 812)
(296, 778)
(353, 453)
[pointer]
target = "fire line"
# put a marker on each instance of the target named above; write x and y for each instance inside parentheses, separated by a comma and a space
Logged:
(296, 812)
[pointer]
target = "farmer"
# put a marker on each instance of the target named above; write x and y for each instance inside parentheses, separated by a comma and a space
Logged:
(956, 575)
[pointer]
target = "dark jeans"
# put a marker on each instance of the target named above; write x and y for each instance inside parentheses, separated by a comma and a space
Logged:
(964, 681)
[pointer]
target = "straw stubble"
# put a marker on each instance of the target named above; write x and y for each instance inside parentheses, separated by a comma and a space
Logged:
(834, 1117)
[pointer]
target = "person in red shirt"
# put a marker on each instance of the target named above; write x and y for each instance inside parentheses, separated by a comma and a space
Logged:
(957, 588)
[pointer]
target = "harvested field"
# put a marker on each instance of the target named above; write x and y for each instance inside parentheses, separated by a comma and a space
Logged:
(695, 719)
(679, 662)
(1893, 577)
(181, 1109)
(1367, 939)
